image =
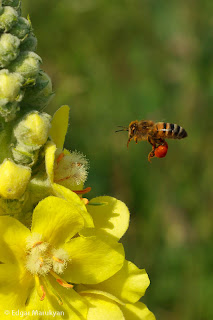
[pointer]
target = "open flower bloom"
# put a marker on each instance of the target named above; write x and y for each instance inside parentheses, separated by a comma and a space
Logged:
(40, 266)
(117, 297)
(63, 167)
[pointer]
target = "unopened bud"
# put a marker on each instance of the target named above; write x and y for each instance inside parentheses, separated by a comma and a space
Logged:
(32, 131)
(8, 18)
(12, 3)
(29, 43)
(10, 93)
(38, 95)
(10, 85)
(22, 28)
(27, 64)
(9, 49)
(14, 179)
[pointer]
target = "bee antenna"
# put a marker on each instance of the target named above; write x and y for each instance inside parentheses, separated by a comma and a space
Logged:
(123, 129)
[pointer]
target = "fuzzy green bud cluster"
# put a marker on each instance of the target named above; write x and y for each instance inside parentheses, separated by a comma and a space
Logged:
(19, 62)
(24, 91)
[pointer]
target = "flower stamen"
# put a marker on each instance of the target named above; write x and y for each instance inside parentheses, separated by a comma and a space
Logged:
(40, 288)
(85, 201)
(61, 281)
(37, 244)
(60, 157)
(57, 259)
(86, 190)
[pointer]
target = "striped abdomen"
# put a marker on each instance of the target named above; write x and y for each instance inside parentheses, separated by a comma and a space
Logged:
(169, 130)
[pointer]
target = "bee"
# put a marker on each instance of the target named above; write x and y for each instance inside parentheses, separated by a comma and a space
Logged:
(155, 134)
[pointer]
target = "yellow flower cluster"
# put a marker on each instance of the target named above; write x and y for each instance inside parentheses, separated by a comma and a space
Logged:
(65, 257)
(60, 254)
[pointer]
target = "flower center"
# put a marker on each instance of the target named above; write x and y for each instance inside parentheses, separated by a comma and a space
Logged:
(43, 258)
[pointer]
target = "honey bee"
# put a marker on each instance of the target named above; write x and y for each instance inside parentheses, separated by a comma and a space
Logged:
(155, 134)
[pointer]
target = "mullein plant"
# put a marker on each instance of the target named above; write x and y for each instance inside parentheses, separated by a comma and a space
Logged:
(60, 253)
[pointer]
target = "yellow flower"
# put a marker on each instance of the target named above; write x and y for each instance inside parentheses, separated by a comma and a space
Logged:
(40, 267)
(63, 167)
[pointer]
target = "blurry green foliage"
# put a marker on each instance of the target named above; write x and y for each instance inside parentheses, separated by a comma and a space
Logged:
(122, 60)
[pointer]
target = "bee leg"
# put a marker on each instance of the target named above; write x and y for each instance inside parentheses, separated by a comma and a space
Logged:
(136, 140)
(152, 153)
(128, 141)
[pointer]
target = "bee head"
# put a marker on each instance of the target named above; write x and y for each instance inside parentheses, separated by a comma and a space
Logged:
(133, 128)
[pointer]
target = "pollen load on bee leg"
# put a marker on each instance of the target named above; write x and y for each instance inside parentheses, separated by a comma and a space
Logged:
(161, 151)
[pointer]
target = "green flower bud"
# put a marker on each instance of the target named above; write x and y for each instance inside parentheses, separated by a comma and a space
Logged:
(11, 93)
(27, 64)
(9, 49)
(14, 179)
(23, 157)
(29, 43)
(22, 28)
(8, 18)
(1, 8)
(32, 132)
(11, 3)
(10, 85)
(40, 94)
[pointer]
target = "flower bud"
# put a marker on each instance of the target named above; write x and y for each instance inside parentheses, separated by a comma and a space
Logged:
(22, 28)
(10, 85)
(38, 95)
(27, 64)
(29, 43)
(14, 179)
(12, 3)
(10, 93)
(8, 18)
(23, 157)
(32, 132)
(9, 49)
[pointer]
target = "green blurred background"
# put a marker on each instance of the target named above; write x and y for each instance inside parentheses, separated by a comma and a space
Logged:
(122, 60)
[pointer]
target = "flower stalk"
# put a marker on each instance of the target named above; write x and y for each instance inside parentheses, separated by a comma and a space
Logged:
(58, 250)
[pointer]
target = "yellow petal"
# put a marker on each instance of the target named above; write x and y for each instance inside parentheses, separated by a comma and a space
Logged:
(103, 309)
(50, 150)
(137, 311)
(15, 286)
(93, 259)
(128, 284)
(12, 240)
(70, 196)
(59, 126)
(74, 306)
(112, 216)
(57, 220)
